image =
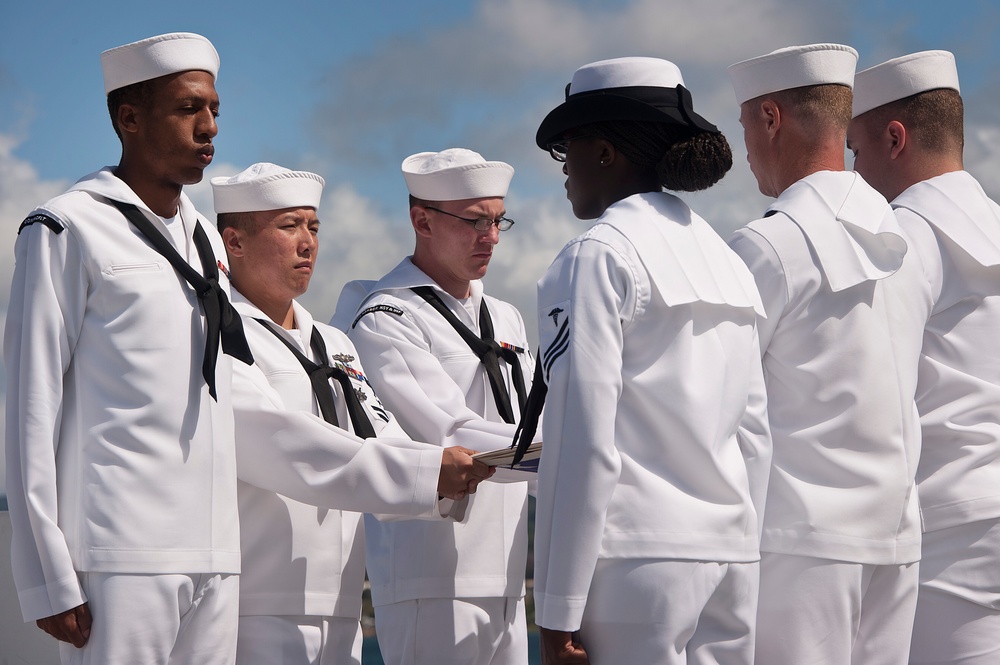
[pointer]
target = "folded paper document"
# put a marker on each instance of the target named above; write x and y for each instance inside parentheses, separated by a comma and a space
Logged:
(504, 456)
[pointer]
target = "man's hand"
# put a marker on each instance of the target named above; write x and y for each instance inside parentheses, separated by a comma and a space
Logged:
(559, 648)
(71, 626)
(460, 474)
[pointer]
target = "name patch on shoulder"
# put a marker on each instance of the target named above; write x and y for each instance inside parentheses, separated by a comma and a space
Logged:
(42, 219)
(391, 309)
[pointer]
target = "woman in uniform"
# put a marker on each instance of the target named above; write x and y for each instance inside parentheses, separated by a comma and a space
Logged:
(656, 441)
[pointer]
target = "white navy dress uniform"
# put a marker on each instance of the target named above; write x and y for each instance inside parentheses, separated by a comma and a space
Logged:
(846, 304)
(446, 592)
(121, 470)
(302, 566)
(657, 448)
(955, 228)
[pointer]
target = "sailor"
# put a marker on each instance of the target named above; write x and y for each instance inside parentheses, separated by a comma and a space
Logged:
(907, 137)
(303, 567)
(657, 448)
(452, 364)
(120, 467)
(845, 308)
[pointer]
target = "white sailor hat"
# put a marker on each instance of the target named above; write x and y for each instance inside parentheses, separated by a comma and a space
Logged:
(157, 56)
(902, 77)
(265, 186)
(455, 174)
(793, 67)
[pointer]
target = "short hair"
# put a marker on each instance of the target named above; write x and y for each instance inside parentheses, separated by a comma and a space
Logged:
(827, 107)
(137, 94)
(414, 201)
(934, 119)
(242, 221)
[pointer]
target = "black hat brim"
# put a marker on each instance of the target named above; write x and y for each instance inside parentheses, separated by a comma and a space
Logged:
(642, 104)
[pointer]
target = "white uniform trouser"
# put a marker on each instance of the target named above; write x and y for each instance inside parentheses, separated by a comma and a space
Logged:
(820, 611)
(670, 612)
(298, 640)
(446, 631)
(158, 620)
(958, 607)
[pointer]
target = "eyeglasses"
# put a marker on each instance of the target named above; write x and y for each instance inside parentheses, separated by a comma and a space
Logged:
(482, 223)
(558, 149)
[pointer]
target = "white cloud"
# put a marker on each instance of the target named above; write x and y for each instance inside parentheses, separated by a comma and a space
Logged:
(487, 80)
(21, 190)
(358, 240)
(982, 156)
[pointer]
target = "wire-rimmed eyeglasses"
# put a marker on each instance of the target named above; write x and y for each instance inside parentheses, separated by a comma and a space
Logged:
(480, 223)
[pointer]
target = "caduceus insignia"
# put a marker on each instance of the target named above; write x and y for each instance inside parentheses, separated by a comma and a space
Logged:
(555, 315)
(345, 358)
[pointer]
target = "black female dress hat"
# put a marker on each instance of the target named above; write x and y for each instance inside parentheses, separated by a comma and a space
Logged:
(634, 88)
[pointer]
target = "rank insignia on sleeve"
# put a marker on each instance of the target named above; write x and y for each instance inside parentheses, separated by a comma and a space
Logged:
(391, 309)
(554, 339)
(380, 412)
(40, 219)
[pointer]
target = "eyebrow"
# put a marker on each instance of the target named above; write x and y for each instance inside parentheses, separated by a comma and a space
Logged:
(198, 100)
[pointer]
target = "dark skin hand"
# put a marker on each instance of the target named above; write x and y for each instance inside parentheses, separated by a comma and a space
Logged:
(562, 648)
(71, 626)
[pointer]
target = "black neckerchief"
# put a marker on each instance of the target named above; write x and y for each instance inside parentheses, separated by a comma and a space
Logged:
(223, 322)
(486, 349)
(319, 377)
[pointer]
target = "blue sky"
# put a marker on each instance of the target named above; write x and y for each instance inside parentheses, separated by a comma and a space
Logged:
(348, 89)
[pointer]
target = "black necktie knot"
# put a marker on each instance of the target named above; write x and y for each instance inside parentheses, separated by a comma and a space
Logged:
(320, 375)
(487, 349)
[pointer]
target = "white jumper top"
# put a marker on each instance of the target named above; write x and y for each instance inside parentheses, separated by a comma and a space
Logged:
(118, 460)
(299, 559)
(846, 305)
(656, 442)
(955, 228)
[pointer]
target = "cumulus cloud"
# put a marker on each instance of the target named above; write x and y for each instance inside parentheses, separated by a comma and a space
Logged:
(486, 81)
(359, 239)
(982, 156)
